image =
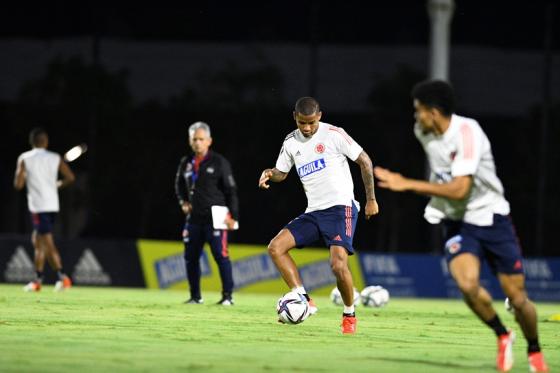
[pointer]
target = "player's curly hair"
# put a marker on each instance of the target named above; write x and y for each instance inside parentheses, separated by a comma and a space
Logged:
(435, 94)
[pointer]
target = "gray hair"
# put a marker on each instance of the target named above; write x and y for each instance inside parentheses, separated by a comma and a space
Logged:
(196, 125)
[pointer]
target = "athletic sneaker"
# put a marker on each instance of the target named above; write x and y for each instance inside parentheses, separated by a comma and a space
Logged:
(32, 286)
(537, 363)
(349, 324)
(504, 360)
(194, 301)
(312, 307)
(226, 301)
(63, 284)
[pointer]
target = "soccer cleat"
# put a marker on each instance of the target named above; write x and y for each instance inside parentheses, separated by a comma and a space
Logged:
(537, 363)
(349, 324)
(32, 286)
(63, 284)
(504, 360)
(226, 301)
(194, 301)
(312, 307)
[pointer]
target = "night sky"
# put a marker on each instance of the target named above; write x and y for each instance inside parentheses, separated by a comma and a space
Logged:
(518, 25)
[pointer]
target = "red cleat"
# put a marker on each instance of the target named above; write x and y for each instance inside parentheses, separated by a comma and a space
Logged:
(312, 307)
(537, 363)
(32, 286)
(63, 284)
(504, 360)
(349, 324)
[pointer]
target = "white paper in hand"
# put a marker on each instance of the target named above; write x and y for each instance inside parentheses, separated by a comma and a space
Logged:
(219, 214)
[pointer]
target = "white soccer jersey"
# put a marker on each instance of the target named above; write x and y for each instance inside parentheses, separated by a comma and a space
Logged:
(463, 150)
(322, 165)
(41, 167)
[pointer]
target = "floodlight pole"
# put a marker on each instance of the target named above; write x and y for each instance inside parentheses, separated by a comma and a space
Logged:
(440, 12)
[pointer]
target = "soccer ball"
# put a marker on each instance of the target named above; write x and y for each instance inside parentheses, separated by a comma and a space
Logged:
(336, 297)
(375, 296)
(508, 306)
(292, 308)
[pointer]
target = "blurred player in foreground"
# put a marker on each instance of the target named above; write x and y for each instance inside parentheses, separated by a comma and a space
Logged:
(468, 198)
(38, 169)
(319, 152)
(204, 179)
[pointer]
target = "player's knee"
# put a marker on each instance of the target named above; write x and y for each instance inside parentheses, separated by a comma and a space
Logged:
(338, 267)
(275, 249)
(469, 287)
(517, 298)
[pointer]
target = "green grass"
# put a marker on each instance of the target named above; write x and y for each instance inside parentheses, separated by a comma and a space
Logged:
(109, 329)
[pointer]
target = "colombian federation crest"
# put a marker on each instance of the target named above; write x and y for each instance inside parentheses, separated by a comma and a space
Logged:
(319, 148)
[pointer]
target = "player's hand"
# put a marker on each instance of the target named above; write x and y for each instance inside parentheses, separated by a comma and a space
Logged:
(390, 180)
(371, 208)
(230, 222)
(186, 207)
(265, 176)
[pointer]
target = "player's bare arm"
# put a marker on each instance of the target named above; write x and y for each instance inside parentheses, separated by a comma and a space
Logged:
(19, 178)
(68, 176)
(366, 167)
(456, 189)
(271, 174)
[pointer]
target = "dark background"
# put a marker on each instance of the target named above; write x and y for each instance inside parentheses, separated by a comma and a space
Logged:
(125, 182)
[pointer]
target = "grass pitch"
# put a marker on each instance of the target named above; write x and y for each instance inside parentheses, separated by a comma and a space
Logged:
(113, 330)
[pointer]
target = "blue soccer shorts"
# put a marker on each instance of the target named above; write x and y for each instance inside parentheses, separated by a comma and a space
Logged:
(335, 225)
(497, 244)
(43, 222)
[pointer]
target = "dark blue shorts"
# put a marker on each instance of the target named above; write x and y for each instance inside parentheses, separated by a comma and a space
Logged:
(335, 225)
(43, 222)
(497, 244)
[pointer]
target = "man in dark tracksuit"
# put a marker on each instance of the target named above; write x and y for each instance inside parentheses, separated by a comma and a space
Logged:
(205, 179)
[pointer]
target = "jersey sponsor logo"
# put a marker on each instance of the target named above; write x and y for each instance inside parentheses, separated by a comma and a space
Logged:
(319, 148)
(453, 245)
(311, 167)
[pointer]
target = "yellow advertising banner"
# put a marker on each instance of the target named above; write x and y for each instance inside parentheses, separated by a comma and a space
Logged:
(163, 266)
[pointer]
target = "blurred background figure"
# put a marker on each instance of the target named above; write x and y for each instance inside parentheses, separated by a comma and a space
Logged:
(205, 179)
(468, 198)
(38, 170)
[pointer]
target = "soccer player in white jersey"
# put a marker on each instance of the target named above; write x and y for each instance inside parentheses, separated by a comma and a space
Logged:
(320, 152)
(468, 198)
(38, 169)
